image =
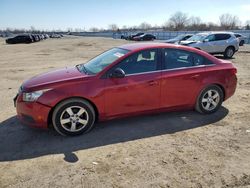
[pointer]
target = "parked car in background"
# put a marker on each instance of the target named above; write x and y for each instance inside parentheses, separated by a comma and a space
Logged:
(241, 38)
(20, 39)
(144, 37)
(128, 80)
(41, 37)
(46, 36)
(124, 36)
(179, 38)
(131, 37)
(35, 37)
(214, 43)
(55, 36)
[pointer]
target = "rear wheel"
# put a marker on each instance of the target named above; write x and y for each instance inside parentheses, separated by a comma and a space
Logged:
(229, 52)
(242, 43)
(73, 117)
(209, 100)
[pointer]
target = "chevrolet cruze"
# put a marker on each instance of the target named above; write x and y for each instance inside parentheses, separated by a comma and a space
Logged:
(128, 80)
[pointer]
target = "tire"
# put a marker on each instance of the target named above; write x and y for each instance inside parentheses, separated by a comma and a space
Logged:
(242, 42)
(209, 100)
(73, 117)
(229, 52)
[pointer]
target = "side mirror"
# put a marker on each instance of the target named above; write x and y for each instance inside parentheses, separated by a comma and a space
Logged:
(117, 73)
(206, 40)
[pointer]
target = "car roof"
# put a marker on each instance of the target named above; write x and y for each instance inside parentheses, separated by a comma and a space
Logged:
(147, 45)
(144, 45)
(215, 32)
(23, 35)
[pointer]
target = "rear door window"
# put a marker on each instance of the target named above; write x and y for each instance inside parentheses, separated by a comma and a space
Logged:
(222, 37)
(175, 58)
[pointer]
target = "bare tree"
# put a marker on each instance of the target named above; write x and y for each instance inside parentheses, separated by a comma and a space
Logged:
(228, 21)
(168, 26)
(247, 25)
(195, 24)
(113, 27)
(195, 21)
(145, 26)
(32, 29)
(93, 29)
(178, 20)
(124, 27)
(212, 26)
(69, 29)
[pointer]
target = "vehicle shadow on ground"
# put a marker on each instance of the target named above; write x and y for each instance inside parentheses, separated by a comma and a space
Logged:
(19, 142)
(222, 57)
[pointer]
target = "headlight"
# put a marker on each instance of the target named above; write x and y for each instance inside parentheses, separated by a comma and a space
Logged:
(33, 96)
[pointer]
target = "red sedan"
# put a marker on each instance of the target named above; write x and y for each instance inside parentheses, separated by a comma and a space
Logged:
(128, 80)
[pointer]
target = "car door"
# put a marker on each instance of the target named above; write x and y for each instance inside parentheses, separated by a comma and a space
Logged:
(221, 41)
(139, 90)
(208, 45)
(181, 78)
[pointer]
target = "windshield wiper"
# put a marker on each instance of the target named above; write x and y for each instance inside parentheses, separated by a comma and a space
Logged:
(81, 68)
(84, 69)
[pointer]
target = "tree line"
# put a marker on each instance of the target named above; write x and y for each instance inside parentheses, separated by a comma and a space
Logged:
(178, 21)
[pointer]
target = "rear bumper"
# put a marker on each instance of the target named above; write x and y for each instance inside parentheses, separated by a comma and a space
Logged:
(32, 114)
(231, 87)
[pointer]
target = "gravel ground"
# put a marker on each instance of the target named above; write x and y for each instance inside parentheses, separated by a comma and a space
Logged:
(180, 149)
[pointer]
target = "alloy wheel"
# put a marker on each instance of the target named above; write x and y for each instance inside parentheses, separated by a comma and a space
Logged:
(230, 52)
(210, 100)
(74, 118)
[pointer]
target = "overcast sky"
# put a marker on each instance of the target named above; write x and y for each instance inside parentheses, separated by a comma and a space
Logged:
(63, 14)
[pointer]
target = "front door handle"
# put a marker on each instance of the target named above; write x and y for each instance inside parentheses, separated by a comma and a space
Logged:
(195, 76)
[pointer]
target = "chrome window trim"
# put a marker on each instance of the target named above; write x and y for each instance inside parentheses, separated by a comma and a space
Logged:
(167, 70)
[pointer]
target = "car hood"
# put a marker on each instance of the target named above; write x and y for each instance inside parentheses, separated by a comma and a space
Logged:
(171, 41)
(187, 42)
(52, 78)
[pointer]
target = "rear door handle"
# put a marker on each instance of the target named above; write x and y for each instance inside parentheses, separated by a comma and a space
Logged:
(152, 82)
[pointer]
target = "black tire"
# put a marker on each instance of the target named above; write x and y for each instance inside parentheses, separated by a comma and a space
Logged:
(202, 104)
(229, 52)
(74, 104)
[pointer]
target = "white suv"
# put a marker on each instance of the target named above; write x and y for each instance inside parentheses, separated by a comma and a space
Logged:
(214, 43)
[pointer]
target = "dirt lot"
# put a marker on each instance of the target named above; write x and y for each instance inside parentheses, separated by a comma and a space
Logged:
(182, 149)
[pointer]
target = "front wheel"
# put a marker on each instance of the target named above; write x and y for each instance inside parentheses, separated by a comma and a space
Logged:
(209, 100)
(73, 117)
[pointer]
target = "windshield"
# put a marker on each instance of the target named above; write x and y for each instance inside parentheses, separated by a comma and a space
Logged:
(100, 62)
(197, 37)
(179, 37)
